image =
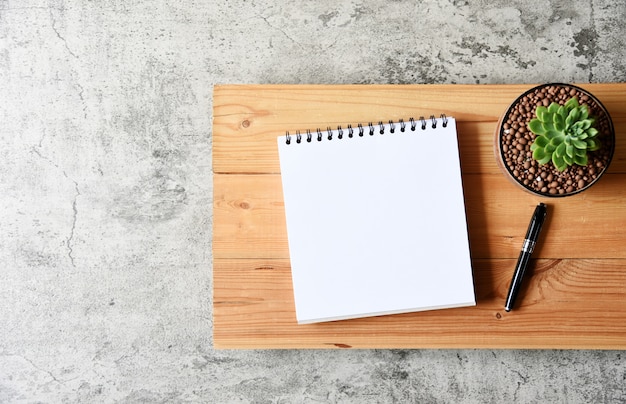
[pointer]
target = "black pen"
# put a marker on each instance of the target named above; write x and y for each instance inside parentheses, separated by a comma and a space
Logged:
(524, 257)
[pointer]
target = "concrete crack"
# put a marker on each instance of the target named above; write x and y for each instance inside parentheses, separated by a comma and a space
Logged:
(81, 91)
(43, 136)
(58, 34)
(127, 356)
(70, 238)
(278, 29)
(78, 86)
(49, 373)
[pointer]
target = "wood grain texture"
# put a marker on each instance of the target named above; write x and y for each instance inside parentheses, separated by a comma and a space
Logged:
(574, 298)
(248, 119)
(566, 303)
(250, 208)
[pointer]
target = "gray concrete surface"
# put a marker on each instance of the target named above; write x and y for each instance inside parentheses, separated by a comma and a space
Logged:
(105, 189)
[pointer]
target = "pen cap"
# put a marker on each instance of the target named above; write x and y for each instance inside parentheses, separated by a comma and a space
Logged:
(535, 223)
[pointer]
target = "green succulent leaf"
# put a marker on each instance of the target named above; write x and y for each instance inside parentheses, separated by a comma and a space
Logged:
(541, 141)
(553, 108)
(592, 144)
(584, 113)
(586, 124)
(568, 159)
(571, 103)
(552, 134)
(565, 133)
(558, 162)
(560, 150)
(574, 115)
(559, 116)
(581, 160)
(557, 140)
(536, 127)
(540, 112)
(579, 144)
(541, 156)
(559, 123)
(548, 126)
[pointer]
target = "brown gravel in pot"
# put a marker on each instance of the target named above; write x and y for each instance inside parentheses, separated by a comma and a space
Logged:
(517, 138)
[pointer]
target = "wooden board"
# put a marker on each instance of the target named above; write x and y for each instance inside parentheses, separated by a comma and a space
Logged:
(573, 297)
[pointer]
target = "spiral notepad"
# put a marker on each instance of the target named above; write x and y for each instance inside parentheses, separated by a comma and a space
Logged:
(376, 219)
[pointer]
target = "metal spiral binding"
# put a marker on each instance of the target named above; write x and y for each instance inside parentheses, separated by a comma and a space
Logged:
(371, 129)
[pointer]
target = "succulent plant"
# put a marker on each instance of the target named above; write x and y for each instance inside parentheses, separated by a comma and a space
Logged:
(565, 133)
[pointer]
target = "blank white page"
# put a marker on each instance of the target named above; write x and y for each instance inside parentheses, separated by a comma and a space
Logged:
(376, 223)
